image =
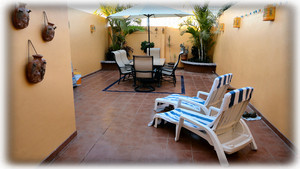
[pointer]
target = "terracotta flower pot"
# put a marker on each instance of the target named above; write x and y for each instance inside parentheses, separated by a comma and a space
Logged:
(36, 69)
(184, 56)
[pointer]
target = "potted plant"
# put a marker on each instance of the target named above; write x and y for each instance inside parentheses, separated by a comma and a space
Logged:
(120, 28)
(185, 52)
(144, 46)
(200, 27)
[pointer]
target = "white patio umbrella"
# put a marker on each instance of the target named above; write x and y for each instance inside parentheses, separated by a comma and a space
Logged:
(142, 11)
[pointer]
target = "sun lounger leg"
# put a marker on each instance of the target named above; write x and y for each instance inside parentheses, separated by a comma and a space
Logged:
(155, 106)
(253, 145)
(221, 156)
(155, 122)
(178, 129)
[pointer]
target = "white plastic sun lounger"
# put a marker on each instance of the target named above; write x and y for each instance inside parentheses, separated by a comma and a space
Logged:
(226, 131)
(214, 97)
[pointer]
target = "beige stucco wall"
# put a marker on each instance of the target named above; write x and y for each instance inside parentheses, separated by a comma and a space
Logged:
(87, 48)
(40, 116)
(160, 39)
(259, 55)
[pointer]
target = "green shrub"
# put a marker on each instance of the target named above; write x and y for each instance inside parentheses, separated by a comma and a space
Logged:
(144, 46)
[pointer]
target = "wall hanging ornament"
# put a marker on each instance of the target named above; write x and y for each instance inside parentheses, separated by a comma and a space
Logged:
(36, 68)
(48, 30)
(20, 16)
(269, 13)
(221, 27)
(92, 28)
(237, 22)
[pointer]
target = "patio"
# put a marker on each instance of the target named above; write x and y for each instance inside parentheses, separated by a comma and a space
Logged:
(112, 128)
(51, 123)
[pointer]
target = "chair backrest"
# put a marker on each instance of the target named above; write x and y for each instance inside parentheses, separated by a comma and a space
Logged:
(143, 66)
(118, 59)
(218, 90)
(233, 106)
(124, 57)
(177, 62)
(155, 52)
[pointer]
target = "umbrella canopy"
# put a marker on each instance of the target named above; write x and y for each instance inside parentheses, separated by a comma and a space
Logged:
(142, 11)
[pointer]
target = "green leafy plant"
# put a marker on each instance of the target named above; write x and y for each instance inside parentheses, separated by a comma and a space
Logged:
(200, 27)
(120, 28)
(144, 46)
(109, 55)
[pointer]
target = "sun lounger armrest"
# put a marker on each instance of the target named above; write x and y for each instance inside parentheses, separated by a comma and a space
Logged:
(203, 93)
(211, 108)
(187, 100)
(192, 102)
(191, 120)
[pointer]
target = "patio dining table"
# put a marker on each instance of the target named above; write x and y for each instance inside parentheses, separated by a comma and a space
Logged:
(157, 63)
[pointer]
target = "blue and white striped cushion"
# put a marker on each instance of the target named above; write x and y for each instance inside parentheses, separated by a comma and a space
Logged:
(222, 80)
(236, 96)
(218, 82)
(174, 116)
(175, 97)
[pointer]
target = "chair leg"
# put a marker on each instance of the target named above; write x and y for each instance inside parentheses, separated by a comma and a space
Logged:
(174, 80)
(178, 129)
(134, 81)
(120, 78)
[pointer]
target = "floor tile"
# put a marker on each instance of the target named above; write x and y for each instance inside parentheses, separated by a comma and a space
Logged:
(113, 128)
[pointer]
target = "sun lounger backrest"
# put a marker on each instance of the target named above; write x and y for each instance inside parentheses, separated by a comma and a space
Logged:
(233, 106)
(218, 90)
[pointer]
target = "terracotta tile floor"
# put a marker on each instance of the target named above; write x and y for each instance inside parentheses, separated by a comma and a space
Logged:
(112, 128)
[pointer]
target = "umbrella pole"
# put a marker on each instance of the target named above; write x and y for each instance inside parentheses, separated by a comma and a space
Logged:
(149, 33)
(148, 17)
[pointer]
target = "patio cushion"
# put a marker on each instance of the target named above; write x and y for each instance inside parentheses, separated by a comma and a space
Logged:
(213, 98)
(173, 98)
(173, 116)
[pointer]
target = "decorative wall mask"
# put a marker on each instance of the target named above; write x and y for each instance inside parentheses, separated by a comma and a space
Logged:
(20, 16)
(36, 68)
(48, 30)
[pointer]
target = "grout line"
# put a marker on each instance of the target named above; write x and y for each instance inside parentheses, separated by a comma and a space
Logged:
(94, 145)
(110, 77)
(105, 130)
